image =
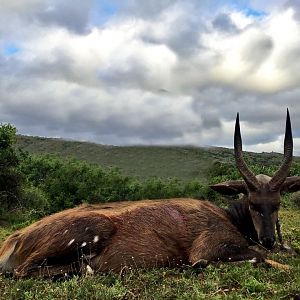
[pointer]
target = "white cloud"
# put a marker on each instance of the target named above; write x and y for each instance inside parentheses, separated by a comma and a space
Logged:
(251, 59)
(173, 73)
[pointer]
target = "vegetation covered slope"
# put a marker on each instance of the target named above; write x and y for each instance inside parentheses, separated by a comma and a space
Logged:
(183, 162)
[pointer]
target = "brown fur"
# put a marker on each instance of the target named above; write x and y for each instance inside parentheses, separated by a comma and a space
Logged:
(129, 234)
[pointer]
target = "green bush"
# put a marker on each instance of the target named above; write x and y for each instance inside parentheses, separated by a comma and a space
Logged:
(62, 184)
(35, 199)
(11, 179)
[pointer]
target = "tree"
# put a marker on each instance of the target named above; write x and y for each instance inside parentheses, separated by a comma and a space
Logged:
(10, 178)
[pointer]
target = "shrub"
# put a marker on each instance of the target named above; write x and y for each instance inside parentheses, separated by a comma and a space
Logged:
(11, 179)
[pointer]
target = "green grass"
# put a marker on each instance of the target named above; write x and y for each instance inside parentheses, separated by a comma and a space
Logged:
(215, 282)
(225, 282)
(222, 282)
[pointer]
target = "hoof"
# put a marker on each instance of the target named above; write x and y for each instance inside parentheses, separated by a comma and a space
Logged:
(200, 264)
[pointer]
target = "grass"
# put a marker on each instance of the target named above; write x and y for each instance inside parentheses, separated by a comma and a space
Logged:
(215, 282)
(223, 282)
(183, 162)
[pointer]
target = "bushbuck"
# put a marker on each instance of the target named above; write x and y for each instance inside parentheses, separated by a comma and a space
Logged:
(153, 233)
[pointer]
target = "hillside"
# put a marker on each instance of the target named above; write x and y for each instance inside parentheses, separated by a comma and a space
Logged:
(184, 162)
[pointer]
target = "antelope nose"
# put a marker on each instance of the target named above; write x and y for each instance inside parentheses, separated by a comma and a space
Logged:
(268, 242)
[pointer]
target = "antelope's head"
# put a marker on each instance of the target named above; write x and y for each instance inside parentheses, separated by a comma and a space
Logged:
(263, 193)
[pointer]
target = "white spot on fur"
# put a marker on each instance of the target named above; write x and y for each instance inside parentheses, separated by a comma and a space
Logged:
(89, 270)
(66, 231)
(83, 244)
(71, 242)
(253, 260)
(96, 239)
(87, 228)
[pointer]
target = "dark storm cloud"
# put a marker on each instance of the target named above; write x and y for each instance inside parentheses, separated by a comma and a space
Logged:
(71, 14)
(258, 50)
(262, 116)
(61, 67)
(224, 23)
(87, 111)
(133, 75)
(290, 62)
(183, 37)
(183, 25)
(143, 9)
(210, 120)
(116, 124)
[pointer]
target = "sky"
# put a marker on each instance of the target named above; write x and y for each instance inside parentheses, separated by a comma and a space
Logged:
(157, 72)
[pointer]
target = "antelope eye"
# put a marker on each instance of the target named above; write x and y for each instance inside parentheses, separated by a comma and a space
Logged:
(275, 207)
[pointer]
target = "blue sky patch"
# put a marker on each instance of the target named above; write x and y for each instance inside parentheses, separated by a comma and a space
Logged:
(11, 49)
(254, 13)
(107, 7)
(104, 10)
(244, 6)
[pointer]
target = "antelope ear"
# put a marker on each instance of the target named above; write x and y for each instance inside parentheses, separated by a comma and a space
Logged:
(291, 184)
(230, 187)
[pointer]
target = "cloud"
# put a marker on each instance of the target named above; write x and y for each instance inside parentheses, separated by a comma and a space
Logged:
(156, 72)
(73, 15)
(145, 9)
(257, 50)
(224, 23)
